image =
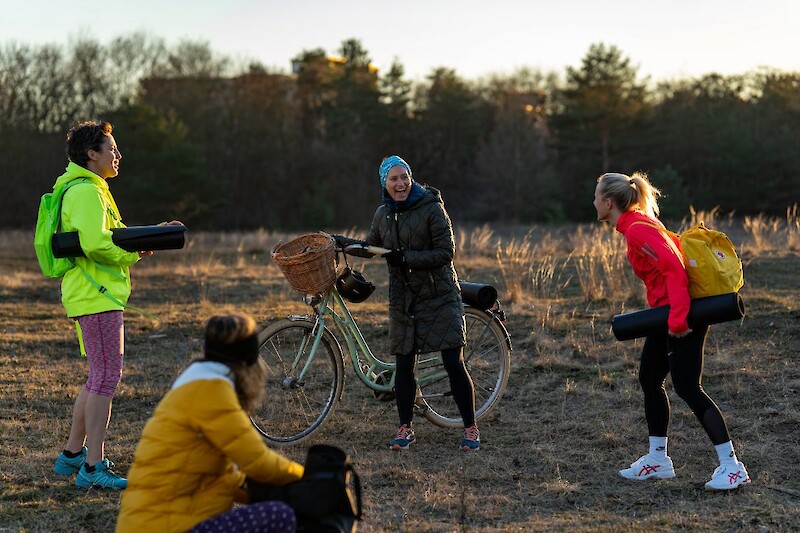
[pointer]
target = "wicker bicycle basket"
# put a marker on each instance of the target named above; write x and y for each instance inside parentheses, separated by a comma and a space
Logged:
(308, 262)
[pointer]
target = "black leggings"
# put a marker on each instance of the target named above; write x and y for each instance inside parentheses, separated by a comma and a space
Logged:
(405, 385)
(683, 358)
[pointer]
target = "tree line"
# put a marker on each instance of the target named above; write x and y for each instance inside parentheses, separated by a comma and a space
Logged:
(228, 144)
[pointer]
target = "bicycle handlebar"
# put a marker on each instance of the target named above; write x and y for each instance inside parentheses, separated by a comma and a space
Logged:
(365, 250)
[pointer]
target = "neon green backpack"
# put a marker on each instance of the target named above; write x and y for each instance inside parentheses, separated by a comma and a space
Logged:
(47, 224)
(711, 262)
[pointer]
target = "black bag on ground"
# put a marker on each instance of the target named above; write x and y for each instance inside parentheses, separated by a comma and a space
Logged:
(326, 499)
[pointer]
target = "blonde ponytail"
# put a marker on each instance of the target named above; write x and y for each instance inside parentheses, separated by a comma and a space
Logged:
(630, 192)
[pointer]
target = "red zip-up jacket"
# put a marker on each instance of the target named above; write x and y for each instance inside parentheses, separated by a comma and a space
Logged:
(657, 260)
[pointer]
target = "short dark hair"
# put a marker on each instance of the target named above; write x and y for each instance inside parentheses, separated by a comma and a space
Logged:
(84, 137)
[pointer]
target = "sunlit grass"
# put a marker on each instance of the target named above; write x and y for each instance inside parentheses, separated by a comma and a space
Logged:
(573, 403)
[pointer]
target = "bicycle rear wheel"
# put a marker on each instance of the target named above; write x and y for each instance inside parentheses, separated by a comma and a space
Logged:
(487, 356)
(294, 408)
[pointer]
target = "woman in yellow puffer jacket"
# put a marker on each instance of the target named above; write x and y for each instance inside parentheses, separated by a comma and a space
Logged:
(199, 446)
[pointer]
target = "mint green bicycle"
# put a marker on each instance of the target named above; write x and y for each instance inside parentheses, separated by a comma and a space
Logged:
(305, 362)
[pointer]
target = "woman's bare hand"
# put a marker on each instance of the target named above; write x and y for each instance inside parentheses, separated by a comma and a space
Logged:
(679, 335)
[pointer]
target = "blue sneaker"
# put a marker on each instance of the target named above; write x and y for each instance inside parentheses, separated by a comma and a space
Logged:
(472, 439)
(102, 477)
(403, 438)
(66, 466)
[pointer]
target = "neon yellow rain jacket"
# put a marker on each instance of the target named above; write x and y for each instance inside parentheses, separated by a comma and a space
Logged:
(194, 454)
(89, 209)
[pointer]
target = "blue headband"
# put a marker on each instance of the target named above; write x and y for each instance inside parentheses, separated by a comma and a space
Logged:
(388, 163)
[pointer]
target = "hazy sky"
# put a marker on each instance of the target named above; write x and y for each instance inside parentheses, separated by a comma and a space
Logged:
(666, 39)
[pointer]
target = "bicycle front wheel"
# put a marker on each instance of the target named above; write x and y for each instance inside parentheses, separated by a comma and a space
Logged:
(487, 356)
(302, 387)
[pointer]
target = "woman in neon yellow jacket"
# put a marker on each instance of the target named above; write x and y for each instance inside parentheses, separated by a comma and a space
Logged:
(199, 445)
(94, 294)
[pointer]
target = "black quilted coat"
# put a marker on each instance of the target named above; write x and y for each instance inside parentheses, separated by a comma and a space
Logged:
(425, 309)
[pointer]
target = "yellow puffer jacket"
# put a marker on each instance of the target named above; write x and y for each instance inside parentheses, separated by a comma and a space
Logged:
(184, 467)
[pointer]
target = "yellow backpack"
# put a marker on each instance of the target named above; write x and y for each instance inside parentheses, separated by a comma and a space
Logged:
(711, 262)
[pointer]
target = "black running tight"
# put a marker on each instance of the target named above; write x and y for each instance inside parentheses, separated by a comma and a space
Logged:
(683, 359)
(405, 385)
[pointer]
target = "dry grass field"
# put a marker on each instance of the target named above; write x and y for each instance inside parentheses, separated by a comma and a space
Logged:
(571, 417)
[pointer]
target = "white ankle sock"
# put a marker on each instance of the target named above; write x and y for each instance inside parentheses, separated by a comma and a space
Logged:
(725, 453)
(658, 446)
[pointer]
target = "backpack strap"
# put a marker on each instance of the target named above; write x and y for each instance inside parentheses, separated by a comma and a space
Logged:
(105, 292)
(64, 190)
(672, 234)
(107, 270)
(60, 199)
(655, 226)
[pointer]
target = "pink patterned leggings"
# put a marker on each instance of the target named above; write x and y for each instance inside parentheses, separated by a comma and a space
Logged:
(103, 337)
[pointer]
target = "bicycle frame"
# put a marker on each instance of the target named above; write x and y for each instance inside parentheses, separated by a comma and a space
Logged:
(375, 373)
(312, 387)
(356, 344)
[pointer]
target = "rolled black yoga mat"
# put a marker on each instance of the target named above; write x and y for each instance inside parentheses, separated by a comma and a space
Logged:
(133, 239)
(703, 311)
(478, 295)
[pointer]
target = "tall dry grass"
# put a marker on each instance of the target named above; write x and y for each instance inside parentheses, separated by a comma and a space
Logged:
(514, 260)
(480, 241)
(772, 233)
(601, 264)
(535, 267)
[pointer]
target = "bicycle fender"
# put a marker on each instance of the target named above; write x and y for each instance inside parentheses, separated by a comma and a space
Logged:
(505, 334)
(499, 322)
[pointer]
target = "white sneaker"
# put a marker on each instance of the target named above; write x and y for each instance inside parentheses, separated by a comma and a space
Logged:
(649, 467)
(728, 477)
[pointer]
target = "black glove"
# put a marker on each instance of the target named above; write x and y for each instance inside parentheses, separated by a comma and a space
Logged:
(396, 258)
(343, 241)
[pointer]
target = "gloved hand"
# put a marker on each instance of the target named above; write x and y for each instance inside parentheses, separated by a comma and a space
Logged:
(343, 241)
(396, 258)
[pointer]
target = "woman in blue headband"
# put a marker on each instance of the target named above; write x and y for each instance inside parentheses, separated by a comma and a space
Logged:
(425, 310)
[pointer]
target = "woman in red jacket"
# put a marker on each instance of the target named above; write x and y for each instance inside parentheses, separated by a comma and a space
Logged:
(629, 202)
